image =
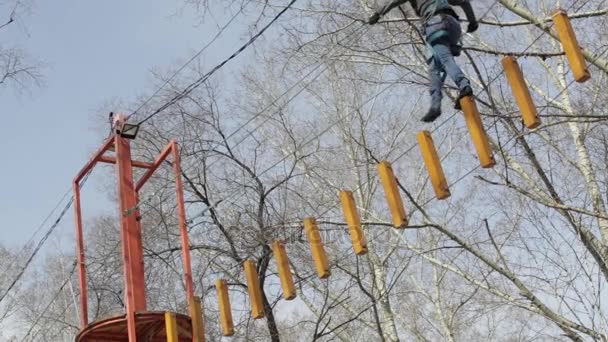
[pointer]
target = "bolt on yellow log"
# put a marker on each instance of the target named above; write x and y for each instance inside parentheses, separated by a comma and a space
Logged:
(196, 315)
(253, 287)
(391, 191)
(433, 165)
(223, 299)
(521, 92)
(316, 247)
(280, 256)
(478, 133)
(571, 47)
(353, 221)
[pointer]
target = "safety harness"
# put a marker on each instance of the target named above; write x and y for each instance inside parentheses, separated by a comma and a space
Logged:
(435, 15)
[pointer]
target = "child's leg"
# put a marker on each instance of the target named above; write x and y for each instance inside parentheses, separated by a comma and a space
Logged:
(437, 78)
(443, 54)
(437, 75)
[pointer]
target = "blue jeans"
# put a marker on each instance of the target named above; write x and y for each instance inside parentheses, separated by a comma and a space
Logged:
(443, 34)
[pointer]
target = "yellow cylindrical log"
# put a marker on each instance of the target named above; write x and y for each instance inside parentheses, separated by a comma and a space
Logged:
(478, 133)
(433, 165)
(253, 287)
(280, 256)
(316, 247)
(521, 92)
(196, 315)
(351, 215)
(571, 47)
(395, 204)
(223, 299)
(171, 327)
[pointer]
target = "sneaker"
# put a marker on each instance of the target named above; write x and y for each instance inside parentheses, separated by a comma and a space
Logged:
(464, 92)
(432, 115)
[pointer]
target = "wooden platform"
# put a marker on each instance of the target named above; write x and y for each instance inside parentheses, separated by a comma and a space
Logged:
(150, 328)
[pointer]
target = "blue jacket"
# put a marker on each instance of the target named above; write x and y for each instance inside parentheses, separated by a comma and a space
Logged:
(427, 8)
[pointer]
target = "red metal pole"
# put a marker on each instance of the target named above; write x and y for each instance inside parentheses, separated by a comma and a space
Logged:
(181, 215)
(135, 289)
(135, 163)
(82, 275)
(96, 157)
(155, 165)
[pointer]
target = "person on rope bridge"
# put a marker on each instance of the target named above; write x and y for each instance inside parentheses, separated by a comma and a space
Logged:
(441, 27)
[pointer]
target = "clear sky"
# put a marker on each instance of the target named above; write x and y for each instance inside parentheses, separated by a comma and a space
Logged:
(95, 52)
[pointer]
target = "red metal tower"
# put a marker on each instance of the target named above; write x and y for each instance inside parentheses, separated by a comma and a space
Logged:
(136, 323)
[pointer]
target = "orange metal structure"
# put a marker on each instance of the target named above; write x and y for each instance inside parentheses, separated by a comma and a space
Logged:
(571, 47)
(391, 190)
(353, 221)
(150, 326)
(136, 323)
(316, 247)
(478, 132)
(521, 92)
(433, 165)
